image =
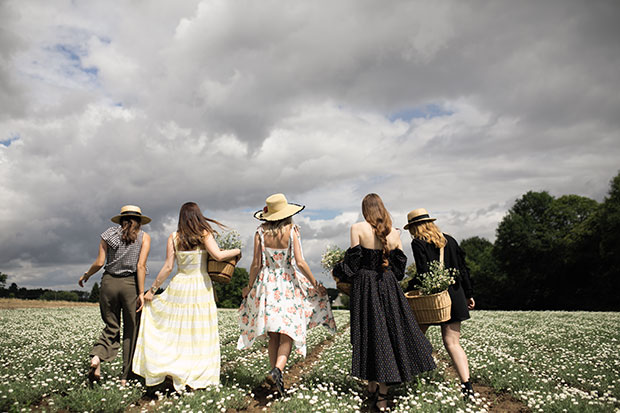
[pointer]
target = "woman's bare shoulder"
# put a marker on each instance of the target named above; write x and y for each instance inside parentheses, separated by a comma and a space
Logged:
(361, 226)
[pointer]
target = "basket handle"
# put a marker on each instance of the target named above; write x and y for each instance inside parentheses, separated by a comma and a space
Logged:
(441, 256)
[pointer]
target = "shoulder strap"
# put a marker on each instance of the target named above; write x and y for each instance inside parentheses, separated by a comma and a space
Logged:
(295, 229)
(261, 237)
(174, 241)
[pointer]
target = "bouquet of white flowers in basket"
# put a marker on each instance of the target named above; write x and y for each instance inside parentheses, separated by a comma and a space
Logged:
(431, 301)
(437, 279)
(332, 256)
(222, 271)
(229, 240)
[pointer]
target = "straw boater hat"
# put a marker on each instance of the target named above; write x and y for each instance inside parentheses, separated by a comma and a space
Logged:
(416, 216)
(131, 211)
(277, 208)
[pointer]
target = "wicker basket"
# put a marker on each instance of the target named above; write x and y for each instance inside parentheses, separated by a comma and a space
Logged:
(344, 288)
(430, 309)
(221, 271)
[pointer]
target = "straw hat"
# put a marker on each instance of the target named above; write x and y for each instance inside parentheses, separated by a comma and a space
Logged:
(416, 216)
(131, 211)
(277, 208)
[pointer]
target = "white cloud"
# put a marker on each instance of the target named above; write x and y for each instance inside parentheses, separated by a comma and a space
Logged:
(455, 107)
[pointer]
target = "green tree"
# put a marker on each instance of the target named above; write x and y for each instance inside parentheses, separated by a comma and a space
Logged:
(94, 294)
(522, 249)
(3, 278)
(609, 227)
(489, 282)
(546, 249)
(229, 295)
(332, 293)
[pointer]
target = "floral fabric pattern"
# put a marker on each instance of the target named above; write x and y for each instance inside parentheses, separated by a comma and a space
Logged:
(282, 300)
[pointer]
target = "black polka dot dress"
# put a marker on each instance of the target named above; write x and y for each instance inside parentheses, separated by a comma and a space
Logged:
(388, 345)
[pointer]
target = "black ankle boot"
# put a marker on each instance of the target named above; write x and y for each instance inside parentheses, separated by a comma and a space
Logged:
(467, 389)
(276, 376)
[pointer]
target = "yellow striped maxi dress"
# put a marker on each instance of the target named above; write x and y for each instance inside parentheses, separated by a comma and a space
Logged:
(178, 331)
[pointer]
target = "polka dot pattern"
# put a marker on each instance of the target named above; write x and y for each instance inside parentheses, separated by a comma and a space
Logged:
(388, 345)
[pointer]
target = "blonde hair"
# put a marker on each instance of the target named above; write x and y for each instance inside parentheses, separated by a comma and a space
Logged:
(429, 232)
(275, 228)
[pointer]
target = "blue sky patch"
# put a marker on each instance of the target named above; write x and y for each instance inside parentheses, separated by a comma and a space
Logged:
(426, 112)
(327, 214)
(74, 55)
(9, 141)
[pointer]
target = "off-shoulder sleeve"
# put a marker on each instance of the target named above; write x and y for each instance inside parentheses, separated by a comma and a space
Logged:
(466, 281)
(349, 267)
(398, 262)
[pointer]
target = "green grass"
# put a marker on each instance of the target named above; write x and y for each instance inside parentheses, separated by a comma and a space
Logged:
(552, 361)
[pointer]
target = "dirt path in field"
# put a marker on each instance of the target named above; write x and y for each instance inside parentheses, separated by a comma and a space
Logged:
(264, 394)
(13, 303)
(500, 402)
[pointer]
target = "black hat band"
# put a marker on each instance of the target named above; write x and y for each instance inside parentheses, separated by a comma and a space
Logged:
(418, 218)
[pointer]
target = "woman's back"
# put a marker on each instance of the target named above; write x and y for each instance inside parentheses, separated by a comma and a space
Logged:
(278, 239)
(363, 233)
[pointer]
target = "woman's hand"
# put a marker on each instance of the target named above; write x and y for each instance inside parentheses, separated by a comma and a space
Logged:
(471, 303)
(140, 302)
(83, 279)
(320, 288)
(148, 297)
(245, 291)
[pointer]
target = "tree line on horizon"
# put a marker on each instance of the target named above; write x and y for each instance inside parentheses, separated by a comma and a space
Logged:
(549, 254)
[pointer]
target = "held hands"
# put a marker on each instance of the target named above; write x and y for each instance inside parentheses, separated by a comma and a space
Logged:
(471, 303)
(320, 288)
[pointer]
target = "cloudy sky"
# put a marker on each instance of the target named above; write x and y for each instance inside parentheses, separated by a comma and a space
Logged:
(458, 107)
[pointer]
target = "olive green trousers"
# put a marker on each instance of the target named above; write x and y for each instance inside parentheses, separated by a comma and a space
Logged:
(118, 295)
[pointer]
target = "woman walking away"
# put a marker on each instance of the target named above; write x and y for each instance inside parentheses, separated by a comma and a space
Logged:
(388, 346)
(124, 250)
(283, 299)
(178, 333)
(427, 241)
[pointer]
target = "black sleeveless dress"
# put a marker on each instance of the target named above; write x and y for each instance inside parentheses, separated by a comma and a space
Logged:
(388, 345)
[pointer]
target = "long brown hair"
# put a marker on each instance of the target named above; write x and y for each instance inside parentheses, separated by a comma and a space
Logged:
(429, 232)
(130, 228)
(379, 219)
(192, 225)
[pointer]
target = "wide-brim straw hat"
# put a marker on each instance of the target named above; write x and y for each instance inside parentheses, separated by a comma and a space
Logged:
(416, 216)
(131, 211)
(277, 208)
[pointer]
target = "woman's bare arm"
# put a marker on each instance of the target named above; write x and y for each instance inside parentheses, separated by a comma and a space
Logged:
(303, 265)
(141, 267)
(257, 263)
(215, 251)
(165, 270)
(96, 265)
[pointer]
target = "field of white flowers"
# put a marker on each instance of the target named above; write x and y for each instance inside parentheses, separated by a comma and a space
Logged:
(547, 361)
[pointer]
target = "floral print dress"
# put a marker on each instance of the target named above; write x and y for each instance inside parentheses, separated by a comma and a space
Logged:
(282, 300)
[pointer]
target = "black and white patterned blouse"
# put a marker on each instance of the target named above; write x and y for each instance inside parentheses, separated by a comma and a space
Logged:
(121, 258)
